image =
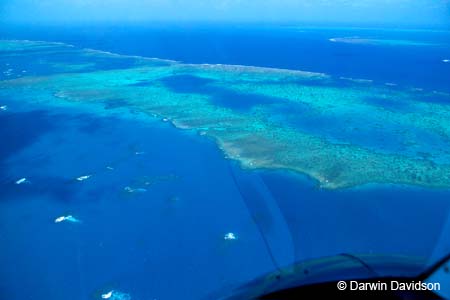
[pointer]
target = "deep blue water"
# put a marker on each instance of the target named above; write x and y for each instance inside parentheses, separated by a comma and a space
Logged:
(167, 242)
(161, 244)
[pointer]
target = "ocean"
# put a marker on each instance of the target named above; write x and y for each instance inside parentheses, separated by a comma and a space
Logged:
(156, 206)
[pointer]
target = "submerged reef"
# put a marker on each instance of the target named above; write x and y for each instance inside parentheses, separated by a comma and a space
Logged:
(340, 131)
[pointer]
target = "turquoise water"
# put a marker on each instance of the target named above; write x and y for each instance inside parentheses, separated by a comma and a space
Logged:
(160, 161)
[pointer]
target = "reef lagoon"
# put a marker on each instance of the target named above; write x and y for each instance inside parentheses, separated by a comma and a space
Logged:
(123, 175)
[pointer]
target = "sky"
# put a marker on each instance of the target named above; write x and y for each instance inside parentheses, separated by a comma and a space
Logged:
(409, 12)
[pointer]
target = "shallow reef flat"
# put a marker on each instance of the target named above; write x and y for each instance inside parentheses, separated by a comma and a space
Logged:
(339, 131)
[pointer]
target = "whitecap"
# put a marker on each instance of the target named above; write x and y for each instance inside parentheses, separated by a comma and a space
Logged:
(22, 180)
(230, 236)
(116, 295)
(84, 177)
(134, 190)
(68, 218)
(107, 295)
(60, 219)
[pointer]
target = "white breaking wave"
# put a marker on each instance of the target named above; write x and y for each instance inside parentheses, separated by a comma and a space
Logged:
(84, 177)
(22, 180)
(68, 218)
